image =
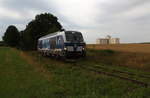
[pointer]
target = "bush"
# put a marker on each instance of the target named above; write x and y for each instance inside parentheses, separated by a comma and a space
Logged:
(2, 43)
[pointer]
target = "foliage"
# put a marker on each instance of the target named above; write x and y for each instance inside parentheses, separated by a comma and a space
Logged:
(11, 36)
(145, 43)
(43, 24)
(2, 43)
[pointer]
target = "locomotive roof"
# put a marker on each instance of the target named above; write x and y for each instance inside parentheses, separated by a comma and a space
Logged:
(56, 33)
(52, 34)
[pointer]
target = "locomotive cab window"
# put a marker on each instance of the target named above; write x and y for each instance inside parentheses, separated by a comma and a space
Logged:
(74, 36)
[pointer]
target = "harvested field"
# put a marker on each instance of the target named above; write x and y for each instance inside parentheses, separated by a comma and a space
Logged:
(140, 48)
(130, 55)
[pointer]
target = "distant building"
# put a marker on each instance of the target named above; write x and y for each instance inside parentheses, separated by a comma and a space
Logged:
(114, 41)
(108, 40)
(102, 41)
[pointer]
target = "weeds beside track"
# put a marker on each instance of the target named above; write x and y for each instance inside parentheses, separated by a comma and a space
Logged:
(116, 73)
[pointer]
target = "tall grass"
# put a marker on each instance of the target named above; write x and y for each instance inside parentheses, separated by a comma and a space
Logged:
(112, 55)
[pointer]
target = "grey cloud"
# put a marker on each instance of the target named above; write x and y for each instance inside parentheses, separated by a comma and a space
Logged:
(111, 16)
(108, 21)
(122, 5)
(8, 20)
(142, 20)
(24, 4)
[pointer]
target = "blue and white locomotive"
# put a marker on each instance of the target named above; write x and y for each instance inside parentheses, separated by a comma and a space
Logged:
(62, 44)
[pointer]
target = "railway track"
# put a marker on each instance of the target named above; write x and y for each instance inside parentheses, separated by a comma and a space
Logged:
(124, 75)
(124, 72)
(127, 76)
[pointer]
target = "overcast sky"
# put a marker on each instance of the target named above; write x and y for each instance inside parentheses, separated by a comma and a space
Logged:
(127, 19)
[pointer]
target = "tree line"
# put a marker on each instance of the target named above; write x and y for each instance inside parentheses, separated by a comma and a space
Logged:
(27, 39)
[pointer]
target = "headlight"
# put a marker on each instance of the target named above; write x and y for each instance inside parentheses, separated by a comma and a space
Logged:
(65, 48)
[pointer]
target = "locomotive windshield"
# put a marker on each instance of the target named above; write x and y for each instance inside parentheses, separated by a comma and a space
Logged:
(74, 36)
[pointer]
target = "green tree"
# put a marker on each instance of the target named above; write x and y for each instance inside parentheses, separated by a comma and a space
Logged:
(43, 24)
(11, 36)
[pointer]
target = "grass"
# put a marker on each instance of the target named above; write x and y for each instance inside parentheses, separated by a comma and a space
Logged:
(29, 75)
(126, 59)
(18, 79)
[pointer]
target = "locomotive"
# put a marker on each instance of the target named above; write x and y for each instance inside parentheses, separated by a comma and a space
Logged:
(62, 44)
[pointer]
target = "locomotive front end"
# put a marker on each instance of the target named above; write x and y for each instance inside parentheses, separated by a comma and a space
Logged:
(74, 45)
